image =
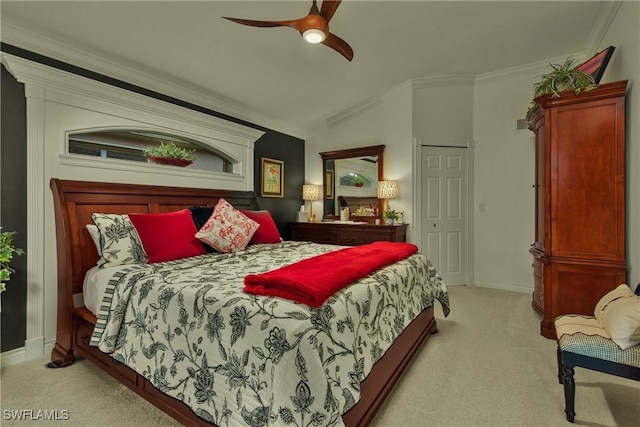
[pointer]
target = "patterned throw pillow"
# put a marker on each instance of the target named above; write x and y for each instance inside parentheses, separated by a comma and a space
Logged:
(119, 241)
(228, 229)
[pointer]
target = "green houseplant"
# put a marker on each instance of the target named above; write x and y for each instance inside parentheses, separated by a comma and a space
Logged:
(562, 77)
(7, 251)
(357, 181)
(170, 153)
(390, 215)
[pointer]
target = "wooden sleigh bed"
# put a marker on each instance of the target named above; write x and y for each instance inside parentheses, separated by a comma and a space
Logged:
(74, 203)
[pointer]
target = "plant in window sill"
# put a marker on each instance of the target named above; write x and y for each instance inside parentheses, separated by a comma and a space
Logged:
(357, 181)
(7, 251)
(170, 154)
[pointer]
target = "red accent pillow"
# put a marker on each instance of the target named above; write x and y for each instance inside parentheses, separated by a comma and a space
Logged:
(167, 236)
(267, 232)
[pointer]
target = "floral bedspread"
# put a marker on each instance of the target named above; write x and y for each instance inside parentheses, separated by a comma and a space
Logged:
(240, 359)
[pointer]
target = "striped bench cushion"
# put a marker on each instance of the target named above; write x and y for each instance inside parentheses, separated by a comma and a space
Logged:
(583, 335)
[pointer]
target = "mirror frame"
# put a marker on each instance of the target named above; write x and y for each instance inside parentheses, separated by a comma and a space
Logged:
(374, 150)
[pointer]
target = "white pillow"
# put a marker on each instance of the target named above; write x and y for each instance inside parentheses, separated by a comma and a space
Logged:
(619, 292)
(228, 229)
(95, 236)
(621, 319)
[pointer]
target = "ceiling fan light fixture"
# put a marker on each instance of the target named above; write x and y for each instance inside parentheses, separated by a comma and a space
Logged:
(313, 28)
(313, 35)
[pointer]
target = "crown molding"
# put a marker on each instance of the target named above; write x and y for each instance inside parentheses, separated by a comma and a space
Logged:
(533, 67)
(439, 81)
(412, 84)
(600, 28)
(358, 108)
(109, 66)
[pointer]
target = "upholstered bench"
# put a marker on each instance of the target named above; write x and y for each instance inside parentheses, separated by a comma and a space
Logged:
(608, 342)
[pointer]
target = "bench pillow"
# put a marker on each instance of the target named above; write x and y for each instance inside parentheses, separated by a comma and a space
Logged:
(619, 292)
(621, 319)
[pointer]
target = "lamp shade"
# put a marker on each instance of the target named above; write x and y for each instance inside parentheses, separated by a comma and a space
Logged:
(388, 189)
(311, 192)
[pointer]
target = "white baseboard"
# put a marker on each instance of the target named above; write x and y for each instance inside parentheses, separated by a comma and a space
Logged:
(503, 286)
(12, 357)
(32, 350)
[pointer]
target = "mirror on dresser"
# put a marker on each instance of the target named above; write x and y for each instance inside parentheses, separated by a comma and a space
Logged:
(351, 179)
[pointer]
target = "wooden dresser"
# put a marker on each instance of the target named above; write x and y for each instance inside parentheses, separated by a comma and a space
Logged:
(347, 234)
(579, 248)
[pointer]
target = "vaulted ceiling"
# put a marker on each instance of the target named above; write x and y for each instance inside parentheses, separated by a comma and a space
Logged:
(270, 76)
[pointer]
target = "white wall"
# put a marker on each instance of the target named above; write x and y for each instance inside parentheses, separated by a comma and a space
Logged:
(504, 175)
(624, 34)
(386, 121)
(433, 110)
(504, 158)
(443, 109)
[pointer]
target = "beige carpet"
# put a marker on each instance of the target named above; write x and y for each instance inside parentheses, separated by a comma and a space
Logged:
(488, 366)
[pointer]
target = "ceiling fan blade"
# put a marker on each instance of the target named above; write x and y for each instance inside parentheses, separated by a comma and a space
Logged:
(264, 24)
(339, 45)
(329, 8)
(315, 20)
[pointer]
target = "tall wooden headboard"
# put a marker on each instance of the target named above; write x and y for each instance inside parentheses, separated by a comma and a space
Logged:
(75, 201)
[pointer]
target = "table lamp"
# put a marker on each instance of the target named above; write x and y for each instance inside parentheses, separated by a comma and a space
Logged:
(388, 190)
(311, 192)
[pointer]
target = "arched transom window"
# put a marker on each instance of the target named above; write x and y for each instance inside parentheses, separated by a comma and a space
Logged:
(130, 144)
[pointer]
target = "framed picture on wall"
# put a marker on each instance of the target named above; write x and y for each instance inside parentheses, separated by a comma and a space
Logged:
(271, 177)
(328, 192)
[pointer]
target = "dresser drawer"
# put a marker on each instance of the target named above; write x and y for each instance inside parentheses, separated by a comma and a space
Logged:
(351, 238)
(316, 235)
(347, 234)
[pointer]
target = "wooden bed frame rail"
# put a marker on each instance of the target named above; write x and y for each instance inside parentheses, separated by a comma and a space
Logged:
(75, 201)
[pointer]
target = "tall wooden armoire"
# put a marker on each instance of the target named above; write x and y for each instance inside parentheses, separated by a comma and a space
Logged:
(579, 248)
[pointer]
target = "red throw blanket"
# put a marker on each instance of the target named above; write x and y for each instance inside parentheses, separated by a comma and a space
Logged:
(313, 280)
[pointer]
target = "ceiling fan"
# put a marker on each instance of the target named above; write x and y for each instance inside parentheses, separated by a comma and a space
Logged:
(314, 27)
